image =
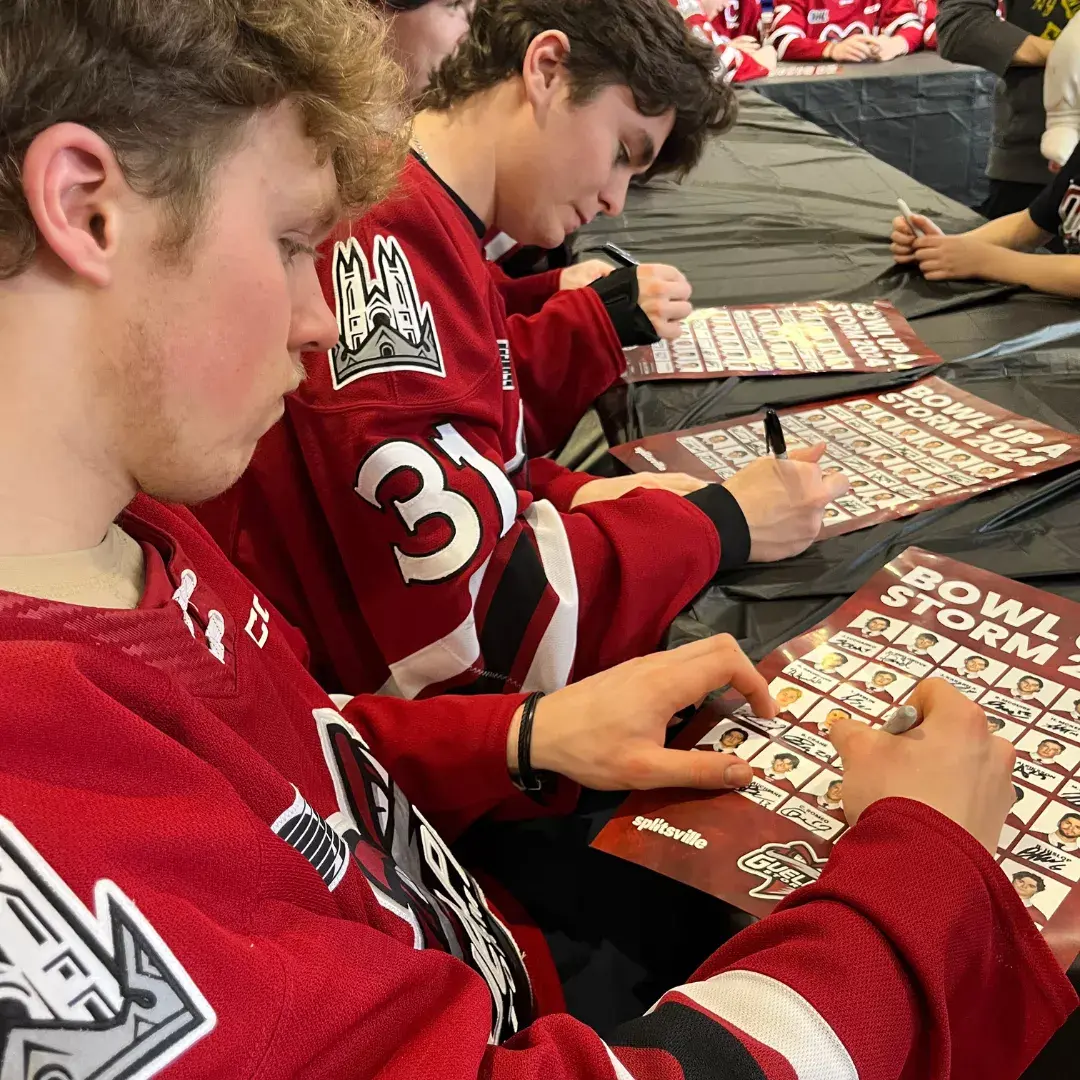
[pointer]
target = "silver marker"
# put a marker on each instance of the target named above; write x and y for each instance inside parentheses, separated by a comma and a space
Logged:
(904, 719)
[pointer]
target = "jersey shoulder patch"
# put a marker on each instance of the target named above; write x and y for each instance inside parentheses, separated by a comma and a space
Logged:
(85, 994)
(383, 325)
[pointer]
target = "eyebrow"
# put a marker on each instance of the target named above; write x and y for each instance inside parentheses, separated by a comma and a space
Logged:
(645, 153)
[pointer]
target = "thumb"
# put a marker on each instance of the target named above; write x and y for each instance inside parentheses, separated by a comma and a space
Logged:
(835, 484)
(810, 454)
(926, 225)
(702, 769)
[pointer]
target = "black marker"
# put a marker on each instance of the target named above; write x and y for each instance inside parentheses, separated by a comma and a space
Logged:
(775, 442)
(623, 258)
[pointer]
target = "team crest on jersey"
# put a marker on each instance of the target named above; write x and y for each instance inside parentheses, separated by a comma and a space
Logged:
(783, 868)
(414, 875)
(383, 326)
(85, 997)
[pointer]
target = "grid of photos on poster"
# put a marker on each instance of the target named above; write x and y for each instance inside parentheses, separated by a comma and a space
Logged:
(862, 671)
(893, 462)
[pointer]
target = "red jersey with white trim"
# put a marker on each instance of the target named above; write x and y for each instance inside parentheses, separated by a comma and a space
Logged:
(739, 18)
(927, 10)
(210, 871)
(802, 28)
(395, 515)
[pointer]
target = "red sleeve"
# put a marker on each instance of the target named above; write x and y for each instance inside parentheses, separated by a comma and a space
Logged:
(900, 18)
(565, 357)
(525, 295)
(871, 974)
(791, 35)
(742, 65)
(749, 19)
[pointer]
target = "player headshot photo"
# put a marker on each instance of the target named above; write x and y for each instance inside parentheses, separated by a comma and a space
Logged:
(933, 444)
(939, 486)
(825, 724)
(788, 696)
(832, 797)
(882, 680)
(1066, 837)
(924, 643)
(831, 514)
(1028, 688)
(1047, 752)
(990, 472)
(815, 417)
(908, 470)
(1028, 885)
(863, 406)
(860, 444)
(994, 724)
(731, 740)
(832, 470)
(877, 626)
(858, 482)
(908, 433)
(782, 766)
(974, 666)
(831, 662)
(959, 459)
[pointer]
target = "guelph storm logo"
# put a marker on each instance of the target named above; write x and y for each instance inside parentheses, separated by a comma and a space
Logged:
(85, 997)
(382, 325)
(783, 868)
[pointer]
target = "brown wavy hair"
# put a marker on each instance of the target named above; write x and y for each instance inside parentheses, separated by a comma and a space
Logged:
(170, 84)
(641, 44)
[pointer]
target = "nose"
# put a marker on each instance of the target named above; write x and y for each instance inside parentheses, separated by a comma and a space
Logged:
(613, 196)
(314, 326)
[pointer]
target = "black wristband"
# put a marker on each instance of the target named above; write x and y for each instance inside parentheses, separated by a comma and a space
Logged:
(527, 780)
(726, 514)
(619, 292)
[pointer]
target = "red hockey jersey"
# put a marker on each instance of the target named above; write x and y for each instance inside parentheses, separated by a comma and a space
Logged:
(395, 515)
(739, 18)
(802, 28)
(207, 871)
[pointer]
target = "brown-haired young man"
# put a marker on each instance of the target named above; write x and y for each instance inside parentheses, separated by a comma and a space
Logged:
(404, 515)
(208, 871)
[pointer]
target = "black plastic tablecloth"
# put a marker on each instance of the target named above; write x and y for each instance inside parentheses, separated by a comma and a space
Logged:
(905, 112)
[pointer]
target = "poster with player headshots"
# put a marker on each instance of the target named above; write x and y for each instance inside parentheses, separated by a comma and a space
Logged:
(1011, 648)
(784, 339)
(903, 451)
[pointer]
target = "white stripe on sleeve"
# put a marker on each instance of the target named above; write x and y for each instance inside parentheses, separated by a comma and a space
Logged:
(777, 1017)
(554, 658)
(621, 1071)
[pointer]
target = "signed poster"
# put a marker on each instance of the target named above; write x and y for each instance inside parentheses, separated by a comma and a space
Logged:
(784, 339)
(1012, 649)
(904, 451)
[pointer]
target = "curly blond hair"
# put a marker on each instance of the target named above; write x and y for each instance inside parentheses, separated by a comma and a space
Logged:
(170, 84)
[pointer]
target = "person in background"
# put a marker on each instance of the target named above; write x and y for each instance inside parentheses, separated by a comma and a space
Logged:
(732, 30)
(849, 31)
(1005, 248)
(423, 33)
(1016, 49)
(927, 10)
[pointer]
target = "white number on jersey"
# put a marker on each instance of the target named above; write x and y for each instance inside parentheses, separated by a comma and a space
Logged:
(434, 499)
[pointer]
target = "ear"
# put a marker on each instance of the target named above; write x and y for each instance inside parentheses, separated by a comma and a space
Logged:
(75, 188)
(544, 68)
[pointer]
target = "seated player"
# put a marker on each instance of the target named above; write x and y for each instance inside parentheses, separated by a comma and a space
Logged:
(1067, 834)
(236, 882)
(403, 515)
(1005, 249)
(849, 31)
(731, 29)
